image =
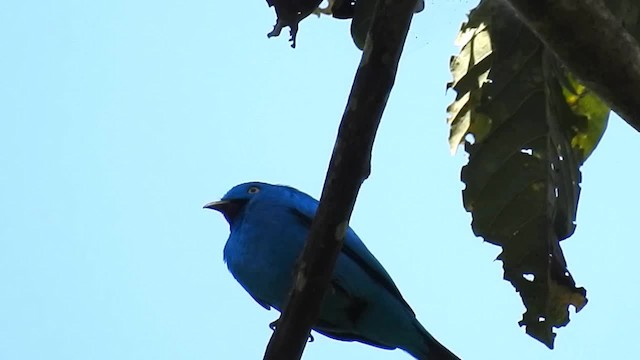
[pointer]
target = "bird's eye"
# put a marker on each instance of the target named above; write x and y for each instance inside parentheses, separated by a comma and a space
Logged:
(253, 190)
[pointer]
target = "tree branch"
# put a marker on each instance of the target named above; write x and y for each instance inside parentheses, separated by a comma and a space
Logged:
(349, 167)
(593, 44)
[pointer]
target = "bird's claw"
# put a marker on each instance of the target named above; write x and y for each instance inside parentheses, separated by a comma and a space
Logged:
(274, 324)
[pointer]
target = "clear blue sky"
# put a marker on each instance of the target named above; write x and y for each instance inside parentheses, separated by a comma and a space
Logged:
(120, 119)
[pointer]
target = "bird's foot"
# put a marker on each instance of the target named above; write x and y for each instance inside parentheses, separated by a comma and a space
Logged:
(274, 324)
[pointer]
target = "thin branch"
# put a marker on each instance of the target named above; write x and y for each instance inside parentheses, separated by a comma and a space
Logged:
(593, 44)
(349, 167)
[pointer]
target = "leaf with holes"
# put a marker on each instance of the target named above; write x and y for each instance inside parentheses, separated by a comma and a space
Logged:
(532, 126)
(290, 13)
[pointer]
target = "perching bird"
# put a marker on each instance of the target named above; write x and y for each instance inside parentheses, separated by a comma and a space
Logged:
(269, 224)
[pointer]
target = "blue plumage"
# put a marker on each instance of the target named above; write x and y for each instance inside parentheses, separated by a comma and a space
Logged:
(269, 224)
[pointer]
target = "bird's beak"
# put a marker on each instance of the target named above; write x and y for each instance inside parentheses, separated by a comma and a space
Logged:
(229, 208)
(220, 205)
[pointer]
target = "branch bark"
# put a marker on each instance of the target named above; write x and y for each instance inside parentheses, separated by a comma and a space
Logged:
(350, 165)
(593, 44)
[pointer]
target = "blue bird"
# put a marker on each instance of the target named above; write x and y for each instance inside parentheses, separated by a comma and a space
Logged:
(269, 224)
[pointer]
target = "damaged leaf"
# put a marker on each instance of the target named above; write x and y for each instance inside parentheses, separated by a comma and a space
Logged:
(528, 126)
(289, 14)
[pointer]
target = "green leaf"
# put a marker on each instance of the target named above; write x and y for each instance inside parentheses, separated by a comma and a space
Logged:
(532, 126)
(584, 103)
(470, 71)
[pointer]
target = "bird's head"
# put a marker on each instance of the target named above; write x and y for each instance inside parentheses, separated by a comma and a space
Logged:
(234, 201)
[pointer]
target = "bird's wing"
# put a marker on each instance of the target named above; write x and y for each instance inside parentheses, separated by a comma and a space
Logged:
(322, 328)
(305, 208)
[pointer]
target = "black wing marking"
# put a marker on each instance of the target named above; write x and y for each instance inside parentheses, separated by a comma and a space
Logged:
(356, 306)
(353, 311)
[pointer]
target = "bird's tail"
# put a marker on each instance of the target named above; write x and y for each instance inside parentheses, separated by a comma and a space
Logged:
(428, 348)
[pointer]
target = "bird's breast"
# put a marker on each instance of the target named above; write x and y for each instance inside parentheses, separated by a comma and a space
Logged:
(261, 255)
